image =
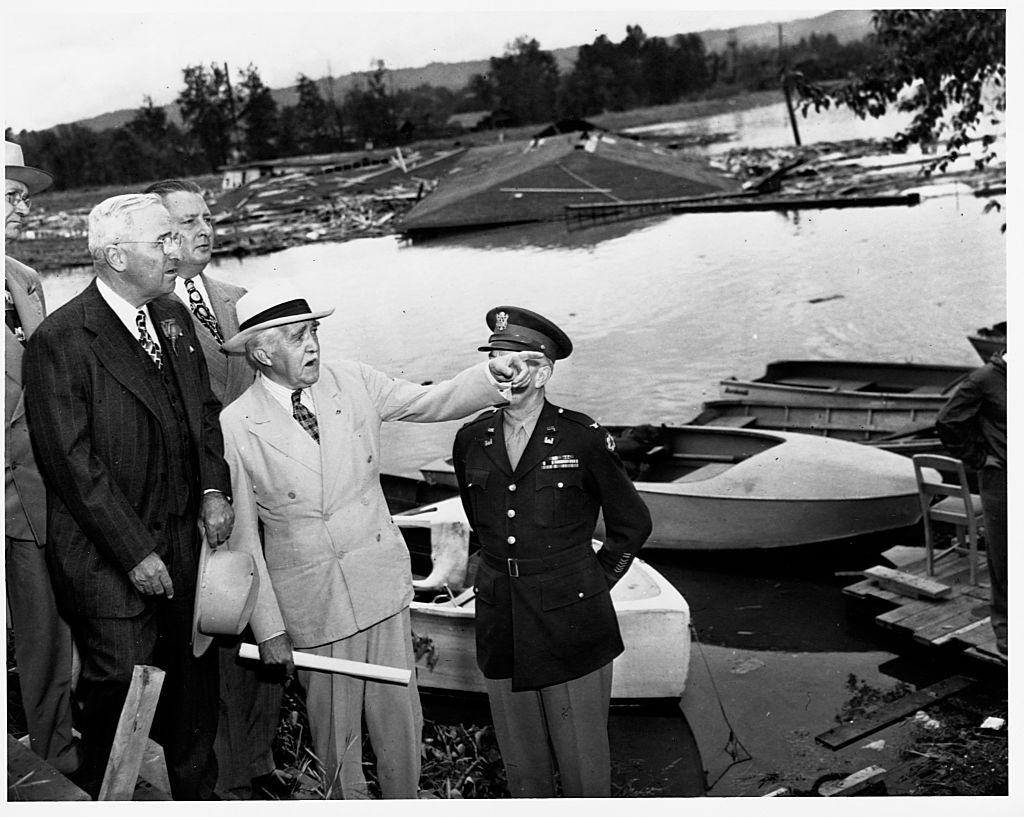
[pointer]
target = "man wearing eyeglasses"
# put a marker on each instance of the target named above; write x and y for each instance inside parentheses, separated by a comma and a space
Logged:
(42, 640)
(250, 697)
(126, 430)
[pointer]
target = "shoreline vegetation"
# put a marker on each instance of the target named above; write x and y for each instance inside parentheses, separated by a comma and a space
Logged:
(275, 212)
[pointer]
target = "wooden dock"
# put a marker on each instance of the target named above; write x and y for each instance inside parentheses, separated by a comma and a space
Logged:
(942, 610)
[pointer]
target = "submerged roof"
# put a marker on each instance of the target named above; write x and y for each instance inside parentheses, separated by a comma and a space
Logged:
(534, 181)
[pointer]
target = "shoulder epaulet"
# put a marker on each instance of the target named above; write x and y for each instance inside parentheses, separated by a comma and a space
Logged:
(484, 415)
(578, 417)
(590, 423)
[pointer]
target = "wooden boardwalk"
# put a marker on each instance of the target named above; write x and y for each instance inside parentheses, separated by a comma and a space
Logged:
(942, 610)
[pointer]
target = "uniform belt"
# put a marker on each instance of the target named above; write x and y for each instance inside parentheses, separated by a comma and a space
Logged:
(529, 567)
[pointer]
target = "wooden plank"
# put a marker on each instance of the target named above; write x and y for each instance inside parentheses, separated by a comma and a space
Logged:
(949, 608)
(868, 589)
(958, 613)
(852, 784)
(32, 779)
(907, 583)
(893, 619)
(890, 713)
(962, 631)
(122, 774)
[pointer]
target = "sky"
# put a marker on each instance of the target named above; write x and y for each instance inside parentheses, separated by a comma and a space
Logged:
(61, 64)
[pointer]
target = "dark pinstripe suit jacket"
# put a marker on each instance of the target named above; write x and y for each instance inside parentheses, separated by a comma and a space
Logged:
(98, 424)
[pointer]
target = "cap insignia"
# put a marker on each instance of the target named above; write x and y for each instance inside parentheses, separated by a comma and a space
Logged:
(501, 322)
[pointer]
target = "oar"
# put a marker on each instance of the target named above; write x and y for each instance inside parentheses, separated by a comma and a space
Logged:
(358, 669)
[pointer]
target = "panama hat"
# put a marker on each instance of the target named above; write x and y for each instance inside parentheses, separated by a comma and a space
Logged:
(226, 590)
(269, 305)
(34, 179)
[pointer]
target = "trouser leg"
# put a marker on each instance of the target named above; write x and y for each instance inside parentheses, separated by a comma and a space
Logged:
(520, 728)
(250, 706)
(394, 717)
(186, 717)
(993, 501)
(43, 650)
(577, 719)
(110, 649)
(334, 705)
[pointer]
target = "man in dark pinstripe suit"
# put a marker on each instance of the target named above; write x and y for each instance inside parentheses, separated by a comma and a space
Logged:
(126, 431)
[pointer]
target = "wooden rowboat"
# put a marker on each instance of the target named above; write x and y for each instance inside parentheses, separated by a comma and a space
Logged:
(653, 617)
(720, 488)
(843, 383)
(899, 429)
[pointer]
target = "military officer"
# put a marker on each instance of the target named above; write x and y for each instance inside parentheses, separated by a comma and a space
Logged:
(533, 478)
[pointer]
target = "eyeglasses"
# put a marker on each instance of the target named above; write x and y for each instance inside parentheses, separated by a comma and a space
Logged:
(14, 198)
(168, 242)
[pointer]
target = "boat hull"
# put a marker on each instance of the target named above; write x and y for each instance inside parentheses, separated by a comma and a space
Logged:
(850, 384)
(653, 616)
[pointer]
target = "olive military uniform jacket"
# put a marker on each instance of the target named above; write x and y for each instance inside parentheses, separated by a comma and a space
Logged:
(544, 612)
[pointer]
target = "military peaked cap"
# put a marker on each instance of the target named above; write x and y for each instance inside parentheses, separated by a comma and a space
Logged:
(514, 329)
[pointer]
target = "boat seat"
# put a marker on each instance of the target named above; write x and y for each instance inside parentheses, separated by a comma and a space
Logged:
(734, 422)
(957, 507)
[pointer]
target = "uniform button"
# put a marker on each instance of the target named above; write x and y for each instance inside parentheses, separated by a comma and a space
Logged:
(291, 494)
(581, 595)
(561, 484)
(511, 540)
(327, 517)
(512, 487)
(511, 512)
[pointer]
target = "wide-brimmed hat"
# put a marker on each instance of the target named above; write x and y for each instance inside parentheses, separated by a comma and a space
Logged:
(227, 585)
(34, 179)
(269, 305)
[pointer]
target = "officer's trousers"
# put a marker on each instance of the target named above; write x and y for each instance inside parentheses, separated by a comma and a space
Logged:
(570, 719)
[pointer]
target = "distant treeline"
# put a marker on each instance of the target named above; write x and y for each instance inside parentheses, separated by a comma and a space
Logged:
(227, 121)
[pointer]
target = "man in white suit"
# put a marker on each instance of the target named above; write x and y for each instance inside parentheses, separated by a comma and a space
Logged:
(250, 698)
(303, 444)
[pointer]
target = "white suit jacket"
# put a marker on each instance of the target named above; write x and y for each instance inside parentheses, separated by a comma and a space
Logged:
(332, 562)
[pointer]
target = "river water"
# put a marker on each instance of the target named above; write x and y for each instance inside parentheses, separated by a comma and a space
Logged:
(659, 311)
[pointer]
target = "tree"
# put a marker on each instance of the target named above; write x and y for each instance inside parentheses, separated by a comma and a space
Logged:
(525, 81)
(945, 66)
(258, 116)
(313, 119)
(207, 108)
(370, 108)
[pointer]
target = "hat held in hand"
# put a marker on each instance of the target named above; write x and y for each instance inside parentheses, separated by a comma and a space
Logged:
(226, 588)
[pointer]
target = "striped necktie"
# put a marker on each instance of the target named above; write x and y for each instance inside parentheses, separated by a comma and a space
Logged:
(151, 346)
(306, 418)
(202, 311)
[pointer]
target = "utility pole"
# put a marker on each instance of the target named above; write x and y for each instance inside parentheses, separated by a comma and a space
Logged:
(784, 71)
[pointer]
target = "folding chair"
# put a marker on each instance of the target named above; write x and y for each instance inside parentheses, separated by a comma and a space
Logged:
(958, 507)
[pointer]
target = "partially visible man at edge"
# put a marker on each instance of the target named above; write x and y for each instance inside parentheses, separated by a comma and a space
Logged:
(126, 433)
(42, 640)
(250, 697)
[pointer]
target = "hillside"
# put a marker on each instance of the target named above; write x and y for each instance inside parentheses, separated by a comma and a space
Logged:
(846, 25)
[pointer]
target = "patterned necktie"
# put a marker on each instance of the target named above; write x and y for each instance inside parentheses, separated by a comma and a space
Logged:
(151, 346)
(305, 417)
(12, 317)
(201, 311)
(515, 446)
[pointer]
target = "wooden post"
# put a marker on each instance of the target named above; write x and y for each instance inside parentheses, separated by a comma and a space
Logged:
(785, 91)
(126, 754)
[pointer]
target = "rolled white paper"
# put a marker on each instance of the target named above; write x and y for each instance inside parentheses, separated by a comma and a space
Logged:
(359, 669)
